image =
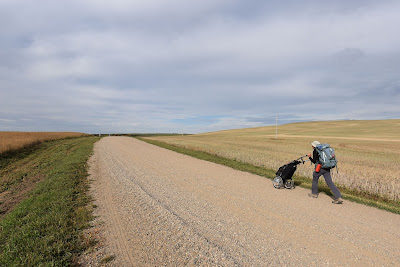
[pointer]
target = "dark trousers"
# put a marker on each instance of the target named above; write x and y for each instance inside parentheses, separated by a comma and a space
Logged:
(328, 180)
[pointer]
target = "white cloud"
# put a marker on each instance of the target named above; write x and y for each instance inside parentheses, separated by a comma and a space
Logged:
(60, 68)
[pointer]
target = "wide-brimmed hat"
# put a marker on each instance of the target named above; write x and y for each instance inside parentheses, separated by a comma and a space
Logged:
(315, 143)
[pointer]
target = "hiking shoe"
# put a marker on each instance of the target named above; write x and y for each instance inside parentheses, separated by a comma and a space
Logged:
(312, 195)
(338, 200)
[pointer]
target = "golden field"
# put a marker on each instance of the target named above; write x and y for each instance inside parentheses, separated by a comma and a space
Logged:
(368, 152)
(17, 140)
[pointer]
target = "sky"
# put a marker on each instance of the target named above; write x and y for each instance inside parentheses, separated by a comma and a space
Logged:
(182, 66)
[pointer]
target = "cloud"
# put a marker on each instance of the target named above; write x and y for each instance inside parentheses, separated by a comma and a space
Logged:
(101, 66)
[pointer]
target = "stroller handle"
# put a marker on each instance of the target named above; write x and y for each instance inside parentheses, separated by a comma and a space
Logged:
(301, 160)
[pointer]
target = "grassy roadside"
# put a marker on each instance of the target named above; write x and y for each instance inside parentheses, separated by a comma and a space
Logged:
(44, 229)
(13, 155)
(359, 197)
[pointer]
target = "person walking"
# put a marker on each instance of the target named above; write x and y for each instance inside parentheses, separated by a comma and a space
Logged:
(327, 175)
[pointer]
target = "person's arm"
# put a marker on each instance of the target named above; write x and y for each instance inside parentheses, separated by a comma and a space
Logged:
(314, 157)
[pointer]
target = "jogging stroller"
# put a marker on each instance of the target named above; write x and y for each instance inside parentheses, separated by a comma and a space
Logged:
(283, 178)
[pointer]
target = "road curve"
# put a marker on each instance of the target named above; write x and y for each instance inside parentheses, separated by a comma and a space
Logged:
(158, 207)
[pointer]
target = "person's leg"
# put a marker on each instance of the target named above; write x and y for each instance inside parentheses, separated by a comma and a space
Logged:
(329, 182)
(314, 188)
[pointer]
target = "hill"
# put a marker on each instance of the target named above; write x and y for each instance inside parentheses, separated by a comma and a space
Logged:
(360, 129)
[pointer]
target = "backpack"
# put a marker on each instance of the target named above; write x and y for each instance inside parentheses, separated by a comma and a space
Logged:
(326, 155)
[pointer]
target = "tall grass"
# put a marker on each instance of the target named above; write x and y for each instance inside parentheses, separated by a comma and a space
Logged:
(17, 140)
(368, 151)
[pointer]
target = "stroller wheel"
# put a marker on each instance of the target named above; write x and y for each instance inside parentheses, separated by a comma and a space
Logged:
(289, 184)
(277, 182)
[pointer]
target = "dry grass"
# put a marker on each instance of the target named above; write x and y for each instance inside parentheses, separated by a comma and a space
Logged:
(17, 140)
(368, 151)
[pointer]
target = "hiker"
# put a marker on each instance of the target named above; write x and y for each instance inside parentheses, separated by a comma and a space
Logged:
(327, 175)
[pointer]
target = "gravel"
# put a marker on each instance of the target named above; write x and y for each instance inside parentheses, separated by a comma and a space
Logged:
(156, 207)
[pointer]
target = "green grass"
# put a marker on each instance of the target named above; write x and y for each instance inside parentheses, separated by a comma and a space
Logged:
(44, 229)
(355, 196)
(107, 259)
(10, 156)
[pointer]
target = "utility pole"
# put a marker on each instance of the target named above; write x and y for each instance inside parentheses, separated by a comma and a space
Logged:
(276, 126)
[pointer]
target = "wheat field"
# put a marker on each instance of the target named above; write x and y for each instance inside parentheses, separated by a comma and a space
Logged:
(368, 152)
(17, 140)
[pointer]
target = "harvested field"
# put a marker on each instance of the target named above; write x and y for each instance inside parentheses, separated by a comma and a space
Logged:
(17, 140)
(367, 151)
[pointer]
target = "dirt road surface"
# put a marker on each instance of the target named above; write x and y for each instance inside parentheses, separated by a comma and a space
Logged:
(160, 208)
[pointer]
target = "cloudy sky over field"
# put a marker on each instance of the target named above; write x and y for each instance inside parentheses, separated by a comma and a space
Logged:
(195, 66)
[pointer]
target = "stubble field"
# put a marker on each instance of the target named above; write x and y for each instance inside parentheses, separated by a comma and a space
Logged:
(17, 140)
(368, 152)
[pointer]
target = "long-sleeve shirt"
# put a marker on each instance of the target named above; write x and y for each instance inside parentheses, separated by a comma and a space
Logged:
(315, 156)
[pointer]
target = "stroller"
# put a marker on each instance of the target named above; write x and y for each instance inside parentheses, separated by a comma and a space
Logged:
(283, 178)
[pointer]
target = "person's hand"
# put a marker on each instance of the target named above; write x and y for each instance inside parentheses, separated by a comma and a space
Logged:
(309, 155)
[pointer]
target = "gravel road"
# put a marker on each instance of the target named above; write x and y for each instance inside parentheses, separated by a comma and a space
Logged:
(156, 207)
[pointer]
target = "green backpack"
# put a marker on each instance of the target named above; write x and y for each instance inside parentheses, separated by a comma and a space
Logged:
(326, 155)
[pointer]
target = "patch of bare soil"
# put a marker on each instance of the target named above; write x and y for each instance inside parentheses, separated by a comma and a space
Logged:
(18, 192)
